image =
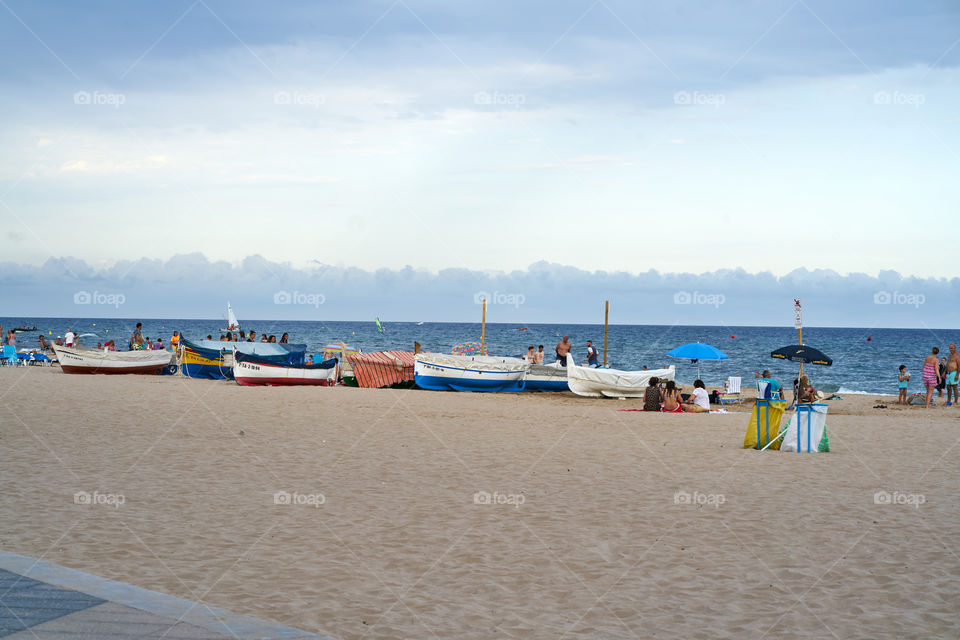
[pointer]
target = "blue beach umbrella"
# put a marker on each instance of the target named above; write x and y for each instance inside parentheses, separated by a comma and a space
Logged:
(696, 351)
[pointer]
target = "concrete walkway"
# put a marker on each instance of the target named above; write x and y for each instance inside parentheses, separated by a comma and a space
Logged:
(43, 601)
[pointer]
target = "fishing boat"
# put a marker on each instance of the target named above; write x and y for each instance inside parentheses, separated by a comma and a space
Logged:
(441, 372)
(86, 360)
(383, 369)
(232, 323)
(612, 383)
(546, 377)
(214, 359)
(23, 329)
(249, 370)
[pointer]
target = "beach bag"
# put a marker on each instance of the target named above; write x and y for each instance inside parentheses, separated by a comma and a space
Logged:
(714, 397)
(917, 399)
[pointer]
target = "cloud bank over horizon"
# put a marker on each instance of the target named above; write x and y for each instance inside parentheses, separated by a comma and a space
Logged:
(192, 286)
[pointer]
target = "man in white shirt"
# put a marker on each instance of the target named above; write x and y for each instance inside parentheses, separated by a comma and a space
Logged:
(68, 338)
(699, 401)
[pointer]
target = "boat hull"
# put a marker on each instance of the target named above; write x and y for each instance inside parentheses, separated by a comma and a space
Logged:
(546, 377)
(93, 361)
(468, 373)
(249, 374)
(613, 383)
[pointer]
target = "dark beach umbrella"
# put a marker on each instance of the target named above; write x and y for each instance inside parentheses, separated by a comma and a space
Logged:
(803, 354)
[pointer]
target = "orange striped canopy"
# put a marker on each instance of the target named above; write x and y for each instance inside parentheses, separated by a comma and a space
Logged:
(379, 369)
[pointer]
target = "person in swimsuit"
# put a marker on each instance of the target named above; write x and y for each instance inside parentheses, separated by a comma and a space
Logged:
(953, 374)
(943, 377)
(651, 396)
(539, 359)
(903, 380)
(931, 375)
(671, 399)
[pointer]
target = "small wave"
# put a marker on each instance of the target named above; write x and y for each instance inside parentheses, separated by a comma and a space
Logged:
(854, 392)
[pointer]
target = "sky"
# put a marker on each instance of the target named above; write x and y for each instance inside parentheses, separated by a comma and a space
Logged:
(769, 140)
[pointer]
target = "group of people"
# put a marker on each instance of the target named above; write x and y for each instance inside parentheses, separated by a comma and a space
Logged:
(139, 342)
(562, 350)
(666, 397)
(252, 337)
(937, 374)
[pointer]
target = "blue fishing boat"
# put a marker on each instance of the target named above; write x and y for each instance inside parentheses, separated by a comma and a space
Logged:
(213, 359)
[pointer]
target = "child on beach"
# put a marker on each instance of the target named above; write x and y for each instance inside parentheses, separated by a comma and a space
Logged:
(903, 378)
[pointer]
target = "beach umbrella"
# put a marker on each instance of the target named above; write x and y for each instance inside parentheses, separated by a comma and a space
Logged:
(803, 354)
(340, 347)
(467, 349)
(696, 351)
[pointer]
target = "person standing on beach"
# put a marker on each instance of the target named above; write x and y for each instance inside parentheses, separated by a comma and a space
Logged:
(943, 377)
(593, 356)
(931, 375)
(531, 357)
(563, 348)
(68, 337)
(903, 380)
(539, 359)
(953, 374)
(136, 338)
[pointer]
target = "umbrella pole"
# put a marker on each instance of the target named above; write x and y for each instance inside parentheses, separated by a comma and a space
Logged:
(800, 342)
(606, 323)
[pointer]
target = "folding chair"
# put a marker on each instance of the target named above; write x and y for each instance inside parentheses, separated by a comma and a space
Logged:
(731, 392)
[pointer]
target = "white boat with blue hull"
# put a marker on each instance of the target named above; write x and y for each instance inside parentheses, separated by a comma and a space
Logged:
(441, 372)
(547, 377)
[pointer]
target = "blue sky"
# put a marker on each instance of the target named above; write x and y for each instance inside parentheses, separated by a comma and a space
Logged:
(608, 136)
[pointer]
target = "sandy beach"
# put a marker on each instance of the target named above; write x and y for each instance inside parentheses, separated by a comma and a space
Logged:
(601, 523)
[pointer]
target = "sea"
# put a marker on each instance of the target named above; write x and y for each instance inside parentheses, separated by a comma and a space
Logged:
(864, 360)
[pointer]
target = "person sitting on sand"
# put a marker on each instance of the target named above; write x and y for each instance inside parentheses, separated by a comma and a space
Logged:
(671, 398)
(903, 380)
(699, 400)
(807, 392)
(651, 395)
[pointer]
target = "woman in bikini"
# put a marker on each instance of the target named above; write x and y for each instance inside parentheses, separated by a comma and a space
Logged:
(671, 399)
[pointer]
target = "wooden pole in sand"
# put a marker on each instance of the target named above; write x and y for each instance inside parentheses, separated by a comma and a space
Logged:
(606, 323)
(483, 330)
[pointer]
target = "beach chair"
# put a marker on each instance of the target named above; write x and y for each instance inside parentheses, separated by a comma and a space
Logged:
(10, 355)
(731, 392)
(765, 391)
